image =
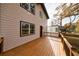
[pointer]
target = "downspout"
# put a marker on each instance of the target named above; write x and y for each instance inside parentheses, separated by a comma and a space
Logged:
(60, 26)
(61, 23)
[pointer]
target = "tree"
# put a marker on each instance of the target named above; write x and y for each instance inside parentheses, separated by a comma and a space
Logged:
(68, 10)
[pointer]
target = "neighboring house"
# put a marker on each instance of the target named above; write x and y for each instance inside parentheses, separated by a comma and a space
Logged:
(53, 28)
(21, 23)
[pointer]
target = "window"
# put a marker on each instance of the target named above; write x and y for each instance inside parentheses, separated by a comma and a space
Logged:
(56, 29)
(32, 8)
(40, 14)
(25, 6)
(32, 28)
(29, 7)
(26, 28)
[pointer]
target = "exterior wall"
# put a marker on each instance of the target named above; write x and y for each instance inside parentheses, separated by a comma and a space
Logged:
(44, 21)
(39, 8)
(11, 15)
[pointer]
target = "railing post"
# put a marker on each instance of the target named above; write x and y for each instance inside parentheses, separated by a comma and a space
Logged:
(70, 53)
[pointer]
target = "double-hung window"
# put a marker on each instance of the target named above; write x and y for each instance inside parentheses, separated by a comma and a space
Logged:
(29, 7)
(32, 28)
(26, 28)
(40, 14)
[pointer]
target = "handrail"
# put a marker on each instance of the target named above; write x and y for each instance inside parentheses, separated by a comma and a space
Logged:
(54, 34)
(74, 53)
(70, 47)
(51, 32)
(67, 43)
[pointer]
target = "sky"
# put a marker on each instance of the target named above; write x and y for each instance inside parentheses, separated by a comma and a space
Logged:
(51, 11)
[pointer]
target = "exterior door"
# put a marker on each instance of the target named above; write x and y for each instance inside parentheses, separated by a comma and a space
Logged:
(41, 31)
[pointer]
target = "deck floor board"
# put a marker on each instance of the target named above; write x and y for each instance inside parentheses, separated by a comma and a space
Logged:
(46, 46)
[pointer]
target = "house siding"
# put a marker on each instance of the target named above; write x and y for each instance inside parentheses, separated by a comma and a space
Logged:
(11, 15)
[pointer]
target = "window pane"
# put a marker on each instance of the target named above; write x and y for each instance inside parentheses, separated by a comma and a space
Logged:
(40, 14)
(25, 5)
(32, 6)
(29, 7)
(24, 28)
(32, 28)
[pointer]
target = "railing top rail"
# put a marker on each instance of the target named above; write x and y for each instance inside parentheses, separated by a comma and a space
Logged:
(75, 53)
(52, 32)
(65, 40)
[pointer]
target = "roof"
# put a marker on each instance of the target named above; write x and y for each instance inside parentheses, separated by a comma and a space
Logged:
(44, 8)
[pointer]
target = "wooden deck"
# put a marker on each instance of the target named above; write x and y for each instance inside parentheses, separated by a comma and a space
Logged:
(57, 46)
(46, 46)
